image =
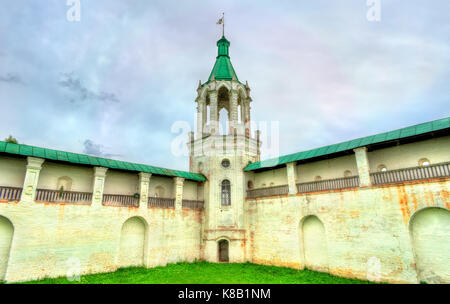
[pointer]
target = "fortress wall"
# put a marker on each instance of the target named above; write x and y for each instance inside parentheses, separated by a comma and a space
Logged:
(51, 239)
(81, 177)
(12, 171)
(327, 169)
(436, 150)
(367, 232)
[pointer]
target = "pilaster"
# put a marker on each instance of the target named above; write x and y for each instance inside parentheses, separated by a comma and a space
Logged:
(291, 177)
(34, 166)
(144, 182)
(99, 184)
(362, 162)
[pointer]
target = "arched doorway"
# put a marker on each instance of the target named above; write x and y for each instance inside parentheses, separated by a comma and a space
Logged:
(223, 251)
(430, 233)
(314, 244)
(132, 242)
(6, 235)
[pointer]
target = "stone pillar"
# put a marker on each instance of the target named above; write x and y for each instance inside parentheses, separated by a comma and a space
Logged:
(99, 183)
(144, 181)
(34, 166)
(213, 117)
(178, 184)
(291, 177)
(200, 118)
(362, 162)
(233, 118)
(246, 118)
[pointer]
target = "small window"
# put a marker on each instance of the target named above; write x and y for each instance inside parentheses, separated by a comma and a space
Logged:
(159, 191)
(318, 178)
(272, 184)
(263, 185)
(347, 173)
(200, 166)
(250, 185)
(424, 162)
(226, 193)
(64, 183)
(226, 163)
(382, 168)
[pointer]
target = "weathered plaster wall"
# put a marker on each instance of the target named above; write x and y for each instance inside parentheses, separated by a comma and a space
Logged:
(47, 236)
(50, 173)
(165, 182)
(12, 171)
(436, 150)
(327, 169)
(270, 178)
(190, 190)
(119, 182)
(363, 227)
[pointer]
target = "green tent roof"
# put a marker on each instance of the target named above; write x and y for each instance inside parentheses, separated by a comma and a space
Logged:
(223, 69)
(423, 128)
(76, 158)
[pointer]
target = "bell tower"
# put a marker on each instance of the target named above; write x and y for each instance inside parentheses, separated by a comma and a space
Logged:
(220, 149)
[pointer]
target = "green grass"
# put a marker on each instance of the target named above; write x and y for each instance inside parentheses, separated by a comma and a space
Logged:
(207, 273)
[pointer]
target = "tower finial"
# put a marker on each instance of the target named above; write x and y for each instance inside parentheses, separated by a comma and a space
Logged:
(222, 21)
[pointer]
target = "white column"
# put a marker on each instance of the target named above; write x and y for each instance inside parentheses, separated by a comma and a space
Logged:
(213, 117)
(233, 110)
(99, 184)
(200, 118)
(362, 162)
(34, 166)
(144, 182)
(292, 176)
(178, 184)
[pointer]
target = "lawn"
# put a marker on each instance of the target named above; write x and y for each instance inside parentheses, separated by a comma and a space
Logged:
(207, 273)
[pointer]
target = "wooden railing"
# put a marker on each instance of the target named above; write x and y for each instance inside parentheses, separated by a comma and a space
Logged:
(118, 200)
(193, 204)
(329, 184)
(269, 191)
(10, 193)
(161, 202)
(410, 174)
(56, 196)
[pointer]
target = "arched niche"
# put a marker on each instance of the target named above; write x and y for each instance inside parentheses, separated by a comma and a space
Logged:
(132, 242)
(314, 243)
(6, 236)
(430, 234)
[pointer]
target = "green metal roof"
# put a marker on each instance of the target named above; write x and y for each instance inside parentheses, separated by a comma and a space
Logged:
(223, 69)
(76, 158)
(423, 128)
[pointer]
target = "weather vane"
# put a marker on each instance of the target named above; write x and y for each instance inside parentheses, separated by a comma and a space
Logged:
(222, 21)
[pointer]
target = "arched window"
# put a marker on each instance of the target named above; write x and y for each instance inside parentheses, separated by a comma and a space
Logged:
(250, 185)
(347, 173)
(318, 178)
(423, 162)
(159, 191)
(64, 183)
(226, 193)
(382, 168)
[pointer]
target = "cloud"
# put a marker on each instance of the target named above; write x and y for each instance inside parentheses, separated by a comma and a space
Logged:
(12, 78)
(73, 84)
(94, 149)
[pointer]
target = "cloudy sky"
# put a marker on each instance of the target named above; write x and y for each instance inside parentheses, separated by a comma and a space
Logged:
(114, 83)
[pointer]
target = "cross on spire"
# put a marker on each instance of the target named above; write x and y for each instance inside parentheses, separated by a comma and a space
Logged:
(222, 21)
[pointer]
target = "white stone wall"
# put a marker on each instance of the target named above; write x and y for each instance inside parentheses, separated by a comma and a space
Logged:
(364, 228)
(12, 171)
(436, 150)
(120, 182)
(50, 173)
(47, 237)
(327, 169)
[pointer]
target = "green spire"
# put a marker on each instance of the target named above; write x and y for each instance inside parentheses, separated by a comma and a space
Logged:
(223, 69)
